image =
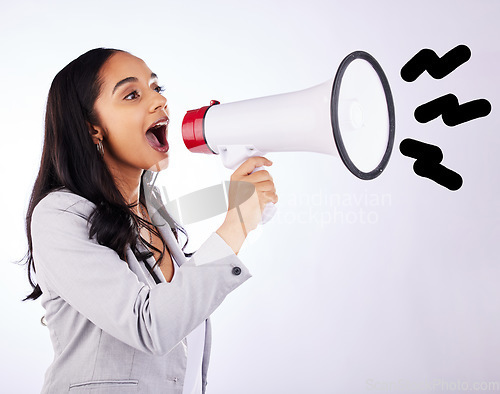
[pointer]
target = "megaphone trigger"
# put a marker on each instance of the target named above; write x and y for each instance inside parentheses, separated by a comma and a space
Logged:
(269, 211)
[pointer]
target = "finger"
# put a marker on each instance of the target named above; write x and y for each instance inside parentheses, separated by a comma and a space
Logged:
(251, 164)
(259, 176)
(271, 197)
(265, 186)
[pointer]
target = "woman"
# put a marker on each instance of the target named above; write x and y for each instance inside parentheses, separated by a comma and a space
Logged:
(126, 311)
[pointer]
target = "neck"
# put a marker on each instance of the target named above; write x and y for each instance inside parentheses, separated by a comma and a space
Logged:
(128, 183)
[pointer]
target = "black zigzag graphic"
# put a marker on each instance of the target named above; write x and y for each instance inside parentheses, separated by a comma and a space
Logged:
(437, 67)
(428, 158)
(453, 114)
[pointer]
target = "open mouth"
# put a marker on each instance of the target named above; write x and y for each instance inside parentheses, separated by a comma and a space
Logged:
(157, 135)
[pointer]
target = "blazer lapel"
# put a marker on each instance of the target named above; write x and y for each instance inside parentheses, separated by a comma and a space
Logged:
(159, 218)
(172, 244)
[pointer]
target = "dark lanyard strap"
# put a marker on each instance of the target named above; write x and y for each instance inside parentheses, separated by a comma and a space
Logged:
(143, 256)
(150, 270)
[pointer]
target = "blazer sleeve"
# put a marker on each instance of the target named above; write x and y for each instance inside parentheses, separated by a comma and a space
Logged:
(100, 286)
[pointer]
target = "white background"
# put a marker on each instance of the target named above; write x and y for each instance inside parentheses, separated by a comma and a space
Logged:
(357, 286)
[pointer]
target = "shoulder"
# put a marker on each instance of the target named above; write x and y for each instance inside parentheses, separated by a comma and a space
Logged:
(60, 221)
(62, 202)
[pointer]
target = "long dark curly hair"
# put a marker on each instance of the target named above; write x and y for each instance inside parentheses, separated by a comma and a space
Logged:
(71, 161)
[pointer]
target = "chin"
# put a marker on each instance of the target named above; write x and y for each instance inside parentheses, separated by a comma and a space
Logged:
(159, 165)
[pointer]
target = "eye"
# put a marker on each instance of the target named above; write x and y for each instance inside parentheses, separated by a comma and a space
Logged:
(132, 96)
(159, 89)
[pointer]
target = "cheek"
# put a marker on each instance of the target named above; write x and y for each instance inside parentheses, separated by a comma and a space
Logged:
(123, 130)
(127, 144)
(118, 120)
(126, 141)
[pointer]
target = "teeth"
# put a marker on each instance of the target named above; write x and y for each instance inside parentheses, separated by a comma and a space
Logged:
(162, 123)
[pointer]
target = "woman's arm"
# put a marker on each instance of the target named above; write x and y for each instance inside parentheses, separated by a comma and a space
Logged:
(92, 279)
(232, 231)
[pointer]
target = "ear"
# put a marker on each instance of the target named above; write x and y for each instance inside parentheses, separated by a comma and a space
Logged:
(96, 132)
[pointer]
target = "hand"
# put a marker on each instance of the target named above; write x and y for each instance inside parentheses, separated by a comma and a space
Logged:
(248, 195)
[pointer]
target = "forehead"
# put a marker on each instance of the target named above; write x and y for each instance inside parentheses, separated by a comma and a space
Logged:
(123, 65)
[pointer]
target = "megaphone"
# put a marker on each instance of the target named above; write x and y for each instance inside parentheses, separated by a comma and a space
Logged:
(350, 116)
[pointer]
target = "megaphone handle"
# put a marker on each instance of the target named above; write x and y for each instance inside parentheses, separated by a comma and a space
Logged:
(270, 208)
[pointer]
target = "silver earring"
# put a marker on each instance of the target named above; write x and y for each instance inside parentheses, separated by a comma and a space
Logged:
(100, 148)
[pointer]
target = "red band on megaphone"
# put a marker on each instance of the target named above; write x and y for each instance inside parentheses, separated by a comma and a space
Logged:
(192, 130)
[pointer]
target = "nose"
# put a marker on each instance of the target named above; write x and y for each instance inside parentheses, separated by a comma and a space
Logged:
(158, 102)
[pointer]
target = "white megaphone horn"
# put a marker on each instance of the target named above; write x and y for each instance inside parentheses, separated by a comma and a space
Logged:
(350, 116)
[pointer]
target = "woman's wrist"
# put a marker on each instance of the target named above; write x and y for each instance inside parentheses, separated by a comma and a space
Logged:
(233, 231)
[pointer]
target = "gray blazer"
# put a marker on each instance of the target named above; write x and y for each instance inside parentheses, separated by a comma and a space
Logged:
(113, 329)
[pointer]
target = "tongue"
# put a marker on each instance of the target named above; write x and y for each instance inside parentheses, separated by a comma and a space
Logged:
(152, 139)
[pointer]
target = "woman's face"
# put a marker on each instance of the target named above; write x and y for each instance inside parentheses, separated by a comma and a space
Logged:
(133, 116)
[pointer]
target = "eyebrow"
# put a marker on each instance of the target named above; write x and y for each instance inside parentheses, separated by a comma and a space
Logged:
(130, 79)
